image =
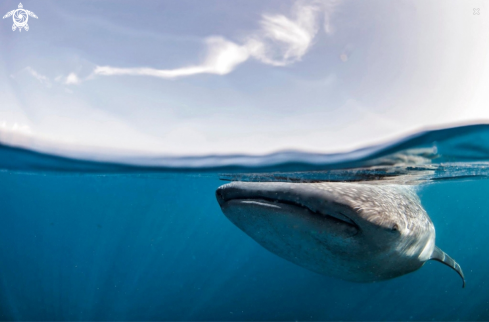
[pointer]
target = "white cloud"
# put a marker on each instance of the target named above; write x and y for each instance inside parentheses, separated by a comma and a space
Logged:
(279, 42)
(223, 56)
(41, 78)
(72, 79)
(283, 41)
(328, 8)
(14, 133)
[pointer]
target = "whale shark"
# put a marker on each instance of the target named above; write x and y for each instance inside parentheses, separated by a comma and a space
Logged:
(359, 232)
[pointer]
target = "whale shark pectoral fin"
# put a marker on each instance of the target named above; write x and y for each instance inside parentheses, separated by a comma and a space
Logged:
(440, 256)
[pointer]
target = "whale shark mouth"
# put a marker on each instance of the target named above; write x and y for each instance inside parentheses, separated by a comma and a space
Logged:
(235, 192)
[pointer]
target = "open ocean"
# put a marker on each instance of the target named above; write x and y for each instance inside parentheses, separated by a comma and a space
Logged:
(146, 239)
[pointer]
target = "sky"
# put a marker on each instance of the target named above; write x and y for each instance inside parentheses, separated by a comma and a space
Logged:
(193, 77)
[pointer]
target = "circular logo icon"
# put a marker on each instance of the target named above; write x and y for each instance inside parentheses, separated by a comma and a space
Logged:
(20, 18)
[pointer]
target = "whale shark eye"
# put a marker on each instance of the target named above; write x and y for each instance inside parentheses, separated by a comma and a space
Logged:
(395, 227)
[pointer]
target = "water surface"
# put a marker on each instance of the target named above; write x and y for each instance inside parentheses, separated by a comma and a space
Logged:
(146, 239)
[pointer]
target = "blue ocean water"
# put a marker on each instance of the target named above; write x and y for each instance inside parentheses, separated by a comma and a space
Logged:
(81, 240)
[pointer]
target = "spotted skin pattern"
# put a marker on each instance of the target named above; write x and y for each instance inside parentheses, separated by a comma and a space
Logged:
(360, 232)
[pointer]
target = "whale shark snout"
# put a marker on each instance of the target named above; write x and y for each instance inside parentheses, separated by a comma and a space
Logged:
(272, 194)
(353, 231)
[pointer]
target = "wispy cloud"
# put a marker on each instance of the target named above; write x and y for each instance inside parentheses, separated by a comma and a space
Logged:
(222, 57)
(328, 7)
(41, 78)
(280, 41)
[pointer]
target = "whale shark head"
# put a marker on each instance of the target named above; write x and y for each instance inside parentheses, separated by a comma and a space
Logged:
(354, 231)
